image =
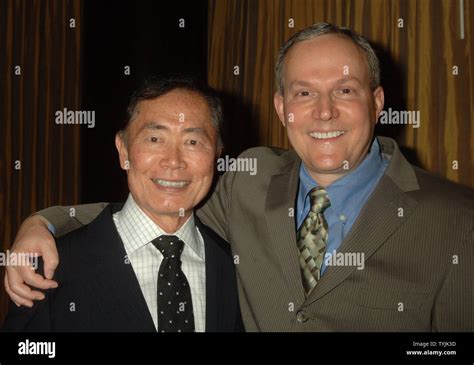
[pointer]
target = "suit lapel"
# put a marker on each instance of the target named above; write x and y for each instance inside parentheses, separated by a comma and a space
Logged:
(376, 223)
(221, 288)
(378, 220)
(281, 197)
(115, 279)
(211, 282)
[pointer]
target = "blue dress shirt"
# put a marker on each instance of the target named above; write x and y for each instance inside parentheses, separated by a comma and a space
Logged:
(347, 196)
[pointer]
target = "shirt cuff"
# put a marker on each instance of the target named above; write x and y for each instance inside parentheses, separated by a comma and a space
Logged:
(51, 229)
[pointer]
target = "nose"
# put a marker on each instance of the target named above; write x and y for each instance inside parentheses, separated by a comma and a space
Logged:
(324, 109)
(173, 158)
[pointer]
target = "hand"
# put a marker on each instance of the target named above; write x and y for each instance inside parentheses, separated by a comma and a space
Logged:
(32, 237)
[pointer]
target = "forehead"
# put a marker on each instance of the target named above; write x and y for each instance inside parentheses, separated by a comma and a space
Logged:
(174, 103)
(324, 55)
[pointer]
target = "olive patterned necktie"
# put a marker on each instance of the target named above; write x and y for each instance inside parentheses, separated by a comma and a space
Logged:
(312, 239)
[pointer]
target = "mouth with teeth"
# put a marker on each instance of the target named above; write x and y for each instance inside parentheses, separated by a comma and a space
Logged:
(326, 135)
(168, 184)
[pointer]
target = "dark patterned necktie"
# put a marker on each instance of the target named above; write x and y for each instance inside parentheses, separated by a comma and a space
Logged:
(175, 306)
(312, 239)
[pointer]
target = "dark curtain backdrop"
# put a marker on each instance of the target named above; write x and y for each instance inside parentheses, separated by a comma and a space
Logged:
(37, 37)
(146, 37)
(417, 63)
(81, 68)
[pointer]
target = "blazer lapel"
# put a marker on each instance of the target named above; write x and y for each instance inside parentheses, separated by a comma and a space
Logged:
(116, 280)
(378, 220)
(221, 287)
(281, 197)
(212, 275)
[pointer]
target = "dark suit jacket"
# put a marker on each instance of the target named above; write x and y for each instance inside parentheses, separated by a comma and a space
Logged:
(98, 289)
(416, 232)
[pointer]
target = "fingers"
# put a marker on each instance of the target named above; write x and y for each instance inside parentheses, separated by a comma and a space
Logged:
(18, 289)
(15, 298)
(50, 259)
(30, 277)
(33, 237)
(19, 292)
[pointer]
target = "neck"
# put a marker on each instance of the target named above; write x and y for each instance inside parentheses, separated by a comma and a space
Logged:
(324, 180)
(170, 223)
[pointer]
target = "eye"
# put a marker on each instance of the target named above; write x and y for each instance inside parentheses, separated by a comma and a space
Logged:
(192, 142)
(303, 93)
(346, 91)
(154, 139)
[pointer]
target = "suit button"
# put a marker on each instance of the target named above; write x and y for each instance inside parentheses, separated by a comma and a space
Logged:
(301, 316)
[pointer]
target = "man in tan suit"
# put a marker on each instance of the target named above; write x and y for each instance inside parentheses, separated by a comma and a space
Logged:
(341, 234)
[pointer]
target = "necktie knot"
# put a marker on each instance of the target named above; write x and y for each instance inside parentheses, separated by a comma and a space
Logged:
(319, 200)
(169, 246)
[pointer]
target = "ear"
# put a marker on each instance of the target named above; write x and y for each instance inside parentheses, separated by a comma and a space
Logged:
(122, 150)
(279, 107)
(379, 98)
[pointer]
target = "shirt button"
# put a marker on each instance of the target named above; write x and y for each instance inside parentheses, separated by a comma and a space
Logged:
(301, 316)
(342, 217)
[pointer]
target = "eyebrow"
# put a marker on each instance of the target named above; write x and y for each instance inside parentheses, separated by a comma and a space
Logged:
(157, 126)
(338, 82)
(154, 126)
(348, 78)
(299, 83)
(195, 130)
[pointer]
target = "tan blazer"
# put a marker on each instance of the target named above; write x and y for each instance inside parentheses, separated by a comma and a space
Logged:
(415, 232)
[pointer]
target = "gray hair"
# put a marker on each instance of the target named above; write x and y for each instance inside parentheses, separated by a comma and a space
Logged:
(320, 29)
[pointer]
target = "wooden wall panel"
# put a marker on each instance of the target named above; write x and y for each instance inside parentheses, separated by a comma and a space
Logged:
(417, 63)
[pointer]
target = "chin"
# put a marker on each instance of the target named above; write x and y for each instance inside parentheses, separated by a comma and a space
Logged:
(328, 167)
(161, 206)
(165, 211)
(170, 208)
(327, 163)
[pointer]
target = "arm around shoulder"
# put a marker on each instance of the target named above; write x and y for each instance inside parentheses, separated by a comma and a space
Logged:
(66, 219)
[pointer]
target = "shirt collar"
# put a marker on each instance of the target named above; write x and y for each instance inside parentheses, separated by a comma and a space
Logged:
(346, 192)
(142, 230)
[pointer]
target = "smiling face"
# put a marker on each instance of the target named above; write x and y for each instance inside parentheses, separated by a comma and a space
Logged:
(171, 149)
(328, 107)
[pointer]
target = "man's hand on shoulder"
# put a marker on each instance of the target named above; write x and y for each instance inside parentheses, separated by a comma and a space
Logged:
(33, 237)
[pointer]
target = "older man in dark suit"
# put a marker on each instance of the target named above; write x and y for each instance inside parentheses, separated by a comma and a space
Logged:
(149, 264)
(341, 234)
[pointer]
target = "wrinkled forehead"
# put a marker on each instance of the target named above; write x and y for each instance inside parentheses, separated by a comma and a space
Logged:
(175, 102)
(181, 112)
(177, 106)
